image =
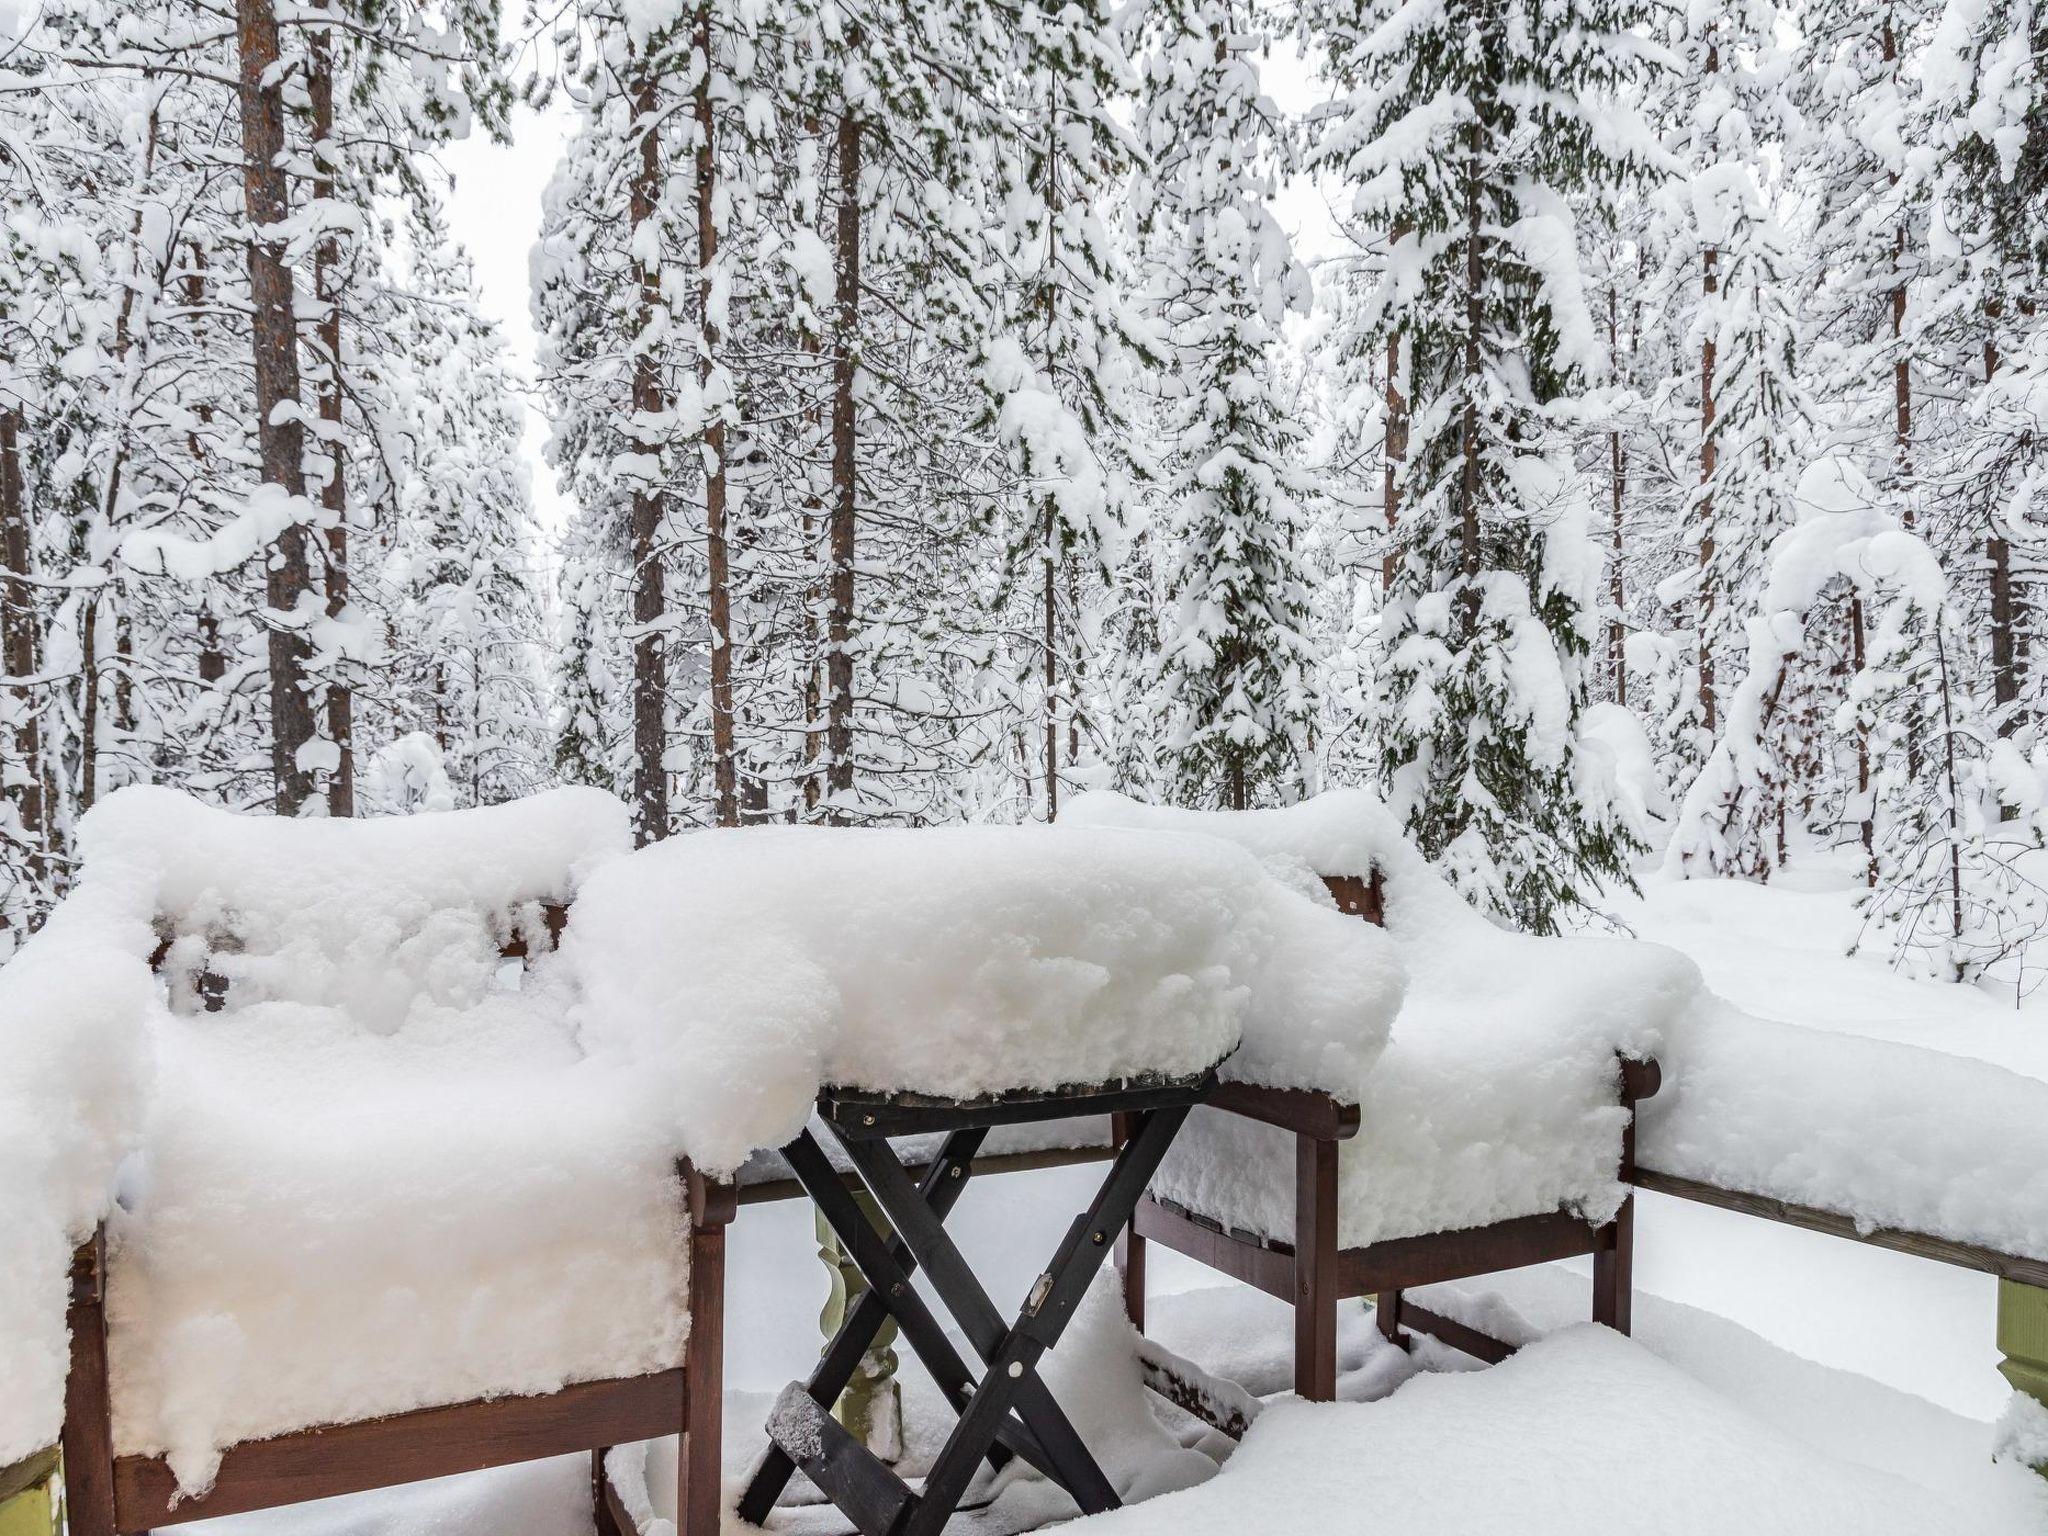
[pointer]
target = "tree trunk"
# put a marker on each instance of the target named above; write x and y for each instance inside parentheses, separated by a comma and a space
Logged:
(1052, 730)
(274, 332)
(650, 654)
(1710, 285)
(21, 650)
(1865, 811)
(724, 750)
(341, 783)
(1902, 373)
(1051, 552)
(1617, 588)
(845, 363)
(1396, 435)
(2005, 669)
(1475, 312)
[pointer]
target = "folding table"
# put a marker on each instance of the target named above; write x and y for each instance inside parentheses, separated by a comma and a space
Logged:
(1007, 1412)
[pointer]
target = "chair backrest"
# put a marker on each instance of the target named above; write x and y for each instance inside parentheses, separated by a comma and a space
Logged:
(1360, 895)
(379, 912)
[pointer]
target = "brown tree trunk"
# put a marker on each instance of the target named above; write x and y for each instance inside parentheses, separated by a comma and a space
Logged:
(1051, 555)
(1475, 314)
(1710, 284)
(724, 749)
(1866, 824)
(1051, 637)
(89, 706)
(1396, 452)
(650, 403)
(213, 659)
(2005, 669)
(21, 650)
(845, 363)
(1617, 588)
(1902, 373)
(341, 783)
(274, 331)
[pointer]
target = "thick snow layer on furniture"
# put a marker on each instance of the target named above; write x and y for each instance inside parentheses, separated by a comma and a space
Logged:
(1892, 1135)
(1497, 1095)
(1581, 1431)
(382, 1176)
(214, 866)
(372, 916)
(327, 1227)
(747, 968)
(74, 1064)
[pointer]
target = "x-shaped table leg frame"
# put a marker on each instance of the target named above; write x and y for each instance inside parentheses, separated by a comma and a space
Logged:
(1009, 1410)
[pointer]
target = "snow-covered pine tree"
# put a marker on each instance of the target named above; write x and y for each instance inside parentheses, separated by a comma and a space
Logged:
(1982, 81)
(1060, 368)
(611, 278)
(1731, 284)
(1480, 140)
(1237, 675)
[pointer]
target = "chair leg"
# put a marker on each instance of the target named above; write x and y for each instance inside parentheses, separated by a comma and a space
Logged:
(1315, 1268)
(1614, 1270)
(1130, 1248)
(88, 1399)
(700, 1486)
(1386, 1315)
(1130, 1264)
(600, 1496)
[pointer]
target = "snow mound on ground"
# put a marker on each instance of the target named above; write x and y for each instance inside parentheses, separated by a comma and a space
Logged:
(1498, 1093)
(746, 968)
(1583, 1430)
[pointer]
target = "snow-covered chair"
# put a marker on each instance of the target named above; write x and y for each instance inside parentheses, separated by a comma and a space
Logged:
(1496, 1129)
(384, 1220)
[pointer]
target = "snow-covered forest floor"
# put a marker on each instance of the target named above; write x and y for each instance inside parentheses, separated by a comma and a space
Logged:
(1775, 1374)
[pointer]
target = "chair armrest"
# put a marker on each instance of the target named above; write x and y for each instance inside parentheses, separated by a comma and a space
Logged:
(712, 1202)
(1639, 1080)
(1305, 1111)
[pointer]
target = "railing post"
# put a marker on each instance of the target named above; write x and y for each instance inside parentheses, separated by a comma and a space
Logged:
(2023, 1340)
(871, 1407)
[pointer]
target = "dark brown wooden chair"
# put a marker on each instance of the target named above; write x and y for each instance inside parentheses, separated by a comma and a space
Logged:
(1313, 1274)
(108, 1494)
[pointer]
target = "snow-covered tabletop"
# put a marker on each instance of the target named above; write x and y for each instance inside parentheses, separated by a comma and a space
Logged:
(1496, 1095)
(746, 969)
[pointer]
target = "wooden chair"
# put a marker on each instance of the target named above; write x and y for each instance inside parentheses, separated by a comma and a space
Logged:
(1313, 1274)
(109, 1493)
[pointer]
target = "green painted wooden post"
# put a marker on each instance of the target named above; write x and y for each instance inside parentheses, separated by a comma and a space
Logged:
(871, 1407)
(2023, 1340)
(28, 1497)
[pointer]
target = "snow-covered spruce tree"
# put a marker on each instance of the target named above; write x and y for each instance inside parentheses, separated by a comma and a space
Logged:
(1060, 368)
(1478, 130)
(1961, 892)
(1237, 678)
(466, 625)
(610, 293)
(50, 280)
(1729, 278)
(1853, 164)
(330, 103)
(1983, 87)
